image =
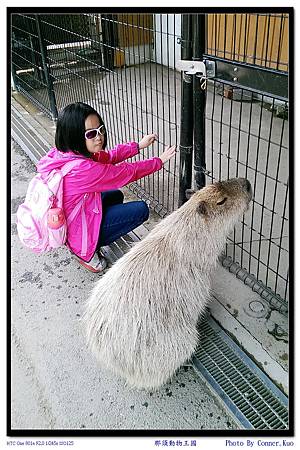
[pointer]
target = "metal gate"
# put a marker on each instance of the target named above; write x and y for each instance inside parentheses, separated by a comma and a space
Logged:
(247, 135)
(214, 84)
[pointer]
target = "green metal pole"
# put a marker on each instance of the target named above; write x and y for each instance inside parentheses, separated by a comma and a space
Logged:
(199, 96)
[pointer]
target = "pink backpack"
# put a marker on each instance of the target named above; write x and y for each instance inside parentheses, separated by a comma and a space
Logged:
(41, 222)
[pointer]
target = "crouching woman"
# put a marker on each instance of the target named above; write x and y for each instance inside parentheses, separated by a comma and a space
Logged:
(91, 188)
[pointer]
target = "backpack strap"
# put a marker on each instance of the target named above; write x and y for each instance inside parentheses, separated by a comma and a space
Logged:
(65, 169)
(80, 205)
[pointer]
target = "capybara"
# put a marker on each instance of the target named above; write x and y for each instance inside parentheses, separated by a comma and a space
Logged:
(142, 314)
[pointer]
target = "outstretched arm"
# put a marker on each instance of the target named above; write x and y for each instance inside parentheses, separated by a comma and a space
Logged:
(91, 177)
(124, 151)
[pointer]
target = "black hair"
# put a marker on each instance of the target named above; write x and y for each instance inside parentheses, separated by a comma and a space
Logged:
(70, 128)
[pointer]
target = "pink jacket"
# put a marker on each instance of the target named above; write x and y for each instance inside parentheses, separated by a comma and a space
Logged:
(86, 181)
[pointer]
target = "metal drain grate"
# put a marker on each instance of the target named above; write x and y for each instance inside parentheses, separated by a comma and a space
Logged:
(250, 395)
(118, 248)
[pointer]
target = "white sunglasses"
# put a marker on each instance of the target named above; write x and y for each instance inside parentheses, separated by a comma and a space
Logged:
(92, 134)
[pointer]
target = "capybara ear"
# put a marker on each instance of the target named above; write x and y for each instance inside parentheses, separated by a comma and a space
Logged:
(189, 193)
(202, 208)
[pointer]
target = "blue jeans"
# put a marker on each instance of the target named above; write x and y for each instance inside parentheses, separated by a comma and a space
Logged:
(119, 218)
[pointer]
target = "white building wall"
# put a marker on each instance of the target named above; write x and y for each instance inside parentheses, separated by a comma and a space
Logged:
(167, 49)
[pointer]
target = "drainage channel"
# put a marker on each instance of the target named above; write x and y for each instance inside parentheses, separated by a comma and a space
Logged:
(248, 393)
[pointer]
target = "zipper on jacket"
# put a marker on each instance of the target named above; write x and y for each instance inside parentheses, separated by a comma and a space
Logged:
(96, 209)
(84, 228)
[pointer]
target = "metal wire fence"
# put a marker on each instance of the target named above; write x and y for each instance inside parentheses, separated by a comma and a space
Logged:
(124, 66)
(247, 135)
(116, 65)
(246, 138)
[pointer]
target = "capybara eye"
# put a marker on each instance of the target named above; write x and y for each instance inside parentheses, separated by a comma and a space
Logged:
(222, 201)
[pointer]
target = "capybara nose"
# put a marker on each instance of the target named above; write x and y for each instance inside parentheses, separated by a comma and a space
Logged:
(248, 185)
(245, 184)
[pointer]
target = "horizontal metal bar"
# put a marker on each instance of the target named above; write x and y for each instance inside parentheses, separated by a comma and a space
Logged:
(274, 300)
(266, 81)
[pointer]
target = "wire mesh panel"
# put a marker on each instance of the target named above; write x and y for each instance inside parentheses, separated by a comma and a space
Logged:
(146, 93)
(121, 64)
(70, 46)
(247, 136)
(27, 67)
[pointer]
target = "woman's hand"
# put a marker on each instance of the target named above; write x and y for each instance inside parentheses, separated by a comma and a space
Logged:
(147, 140)
(168, 154)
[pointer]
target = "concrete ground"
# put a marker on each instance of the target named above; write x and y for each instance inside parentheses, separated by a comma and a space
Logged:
(56, 382)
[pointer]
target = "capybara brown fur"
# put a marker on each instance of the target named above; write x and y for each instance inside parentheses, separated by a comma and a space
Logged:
(142, 314)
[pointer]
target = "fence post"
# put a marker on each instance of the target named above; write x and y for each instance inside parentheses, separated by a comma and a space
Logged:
(48, 76)
(199, 102)
(109, 40)
(186, 121)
